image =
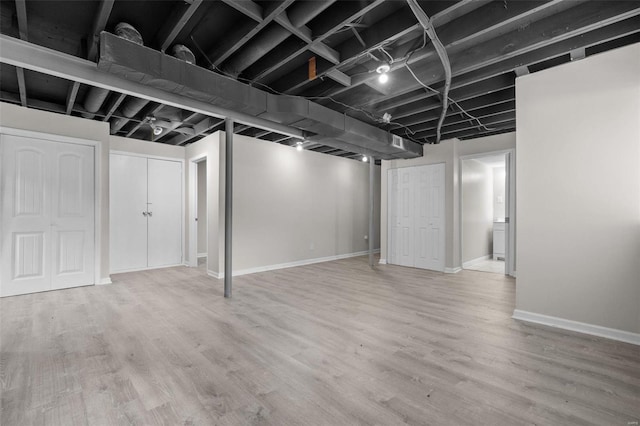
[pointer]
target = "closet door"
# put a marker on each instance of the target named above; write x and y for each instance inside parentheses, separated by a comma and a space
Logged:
(430, 198)
(26, 211)
(406, 238)
(72, 216)
(128, 219)
(165, 213)
(47, 215)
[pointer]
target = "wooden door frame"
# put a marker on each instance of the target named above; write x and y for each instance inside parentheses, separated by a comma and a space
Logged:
(510, 182)
(97, 183)
(193, 210)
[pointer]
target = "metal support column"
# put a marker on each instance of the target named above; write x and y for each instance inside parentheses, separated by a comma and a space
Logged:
(228, 200)
(372, 165)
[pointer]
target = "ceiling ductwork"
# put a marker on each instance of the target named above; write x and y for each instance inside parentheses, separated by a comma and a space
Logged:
(156, 69)
(131, 107)
(94, 100)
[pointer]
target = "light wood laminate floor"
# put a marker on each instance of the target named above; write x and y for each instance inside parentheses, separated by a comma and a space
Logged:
(327, 344)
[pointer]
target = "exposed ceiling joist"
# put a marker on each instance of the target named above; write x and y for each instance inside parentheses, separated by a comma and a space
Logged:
(113, 105)
(71, 96)
(172, 28)
(22, 86)
(99, 24)
(21, 12)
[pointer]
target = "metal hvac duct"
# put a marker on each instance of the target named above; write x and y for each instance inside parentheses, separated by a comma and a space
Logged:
(155, 69)
(94, 100)
(130, 108)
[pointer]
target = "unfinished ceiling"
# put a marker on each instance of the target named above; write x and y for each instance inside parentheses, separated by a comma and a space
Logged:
(278, 47)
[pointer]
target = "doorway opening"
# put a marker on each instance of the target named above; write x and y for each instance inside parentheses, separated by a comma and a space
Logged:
(201, 213)
(485, 213)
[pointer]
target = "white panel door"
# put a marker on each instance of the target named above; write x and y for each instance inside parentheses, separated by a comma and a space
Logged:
(72, 216)
(47, 215)
(406, 251)
(422, 209)
(128, 219)
(416, 222)
(165, 213)
(435, 208)
(393, 188)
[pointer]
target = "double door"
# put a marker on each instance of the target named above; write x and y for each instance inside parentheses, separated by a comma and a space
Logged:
(48, 215)
(416, 216)
(146, 212)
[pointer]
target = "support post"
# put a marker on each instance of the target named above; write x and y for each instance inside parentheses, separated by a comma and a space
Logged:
(228, 200)
(372, 165)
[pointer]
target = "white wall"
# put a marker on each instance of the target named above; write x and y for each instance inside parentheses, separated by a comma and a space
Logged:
(477, 210)
(209, 149)
(291, 206)
(202, 207)
(152, 149)
(449, 153)
(578, 142)
(16, 117)
(499, 206)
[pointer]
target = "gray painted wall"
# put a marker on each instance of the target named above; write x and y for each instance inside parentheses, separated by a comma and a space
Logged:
(578, 165)
(477, 210)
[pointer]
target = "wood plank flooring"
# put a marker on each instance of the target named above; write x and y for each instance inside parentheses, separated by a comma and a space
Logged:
(327, 344)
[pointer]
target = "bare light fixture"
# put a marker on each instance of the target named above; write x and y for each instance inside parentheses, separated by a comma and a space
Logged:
(157, 130)
(383, 70)
(365, 159)
(299, 146)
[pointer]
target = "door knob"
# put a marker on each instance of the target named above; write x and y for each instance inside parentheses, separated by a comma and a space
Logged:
(144, 213)
(150, 213)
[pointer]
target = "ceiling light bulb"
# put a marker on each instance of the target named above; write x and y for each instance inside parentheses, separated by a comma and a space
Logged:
(299, 146)
(157, 130)
(364, 159)
(383, 78)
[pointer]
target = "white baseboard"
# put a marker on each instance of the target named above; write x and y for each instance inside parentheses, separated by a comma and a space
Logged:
(202, 255)
(452, 270)
(149, 268)
(382, 261)
(220, 275)
(580, 327)
(105, 281)
(214, 274)
(475, 261)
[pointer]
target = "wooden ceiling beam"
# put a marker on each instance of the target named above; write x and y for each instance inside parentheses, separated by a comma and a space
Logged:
(469, 123)
(22, 86)
(430, 101)
(455, 116)
(171, 28)
(539, 36)
(348, 13)
(99, 24)
(71, 96)
(243, 35)
(505, 95)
